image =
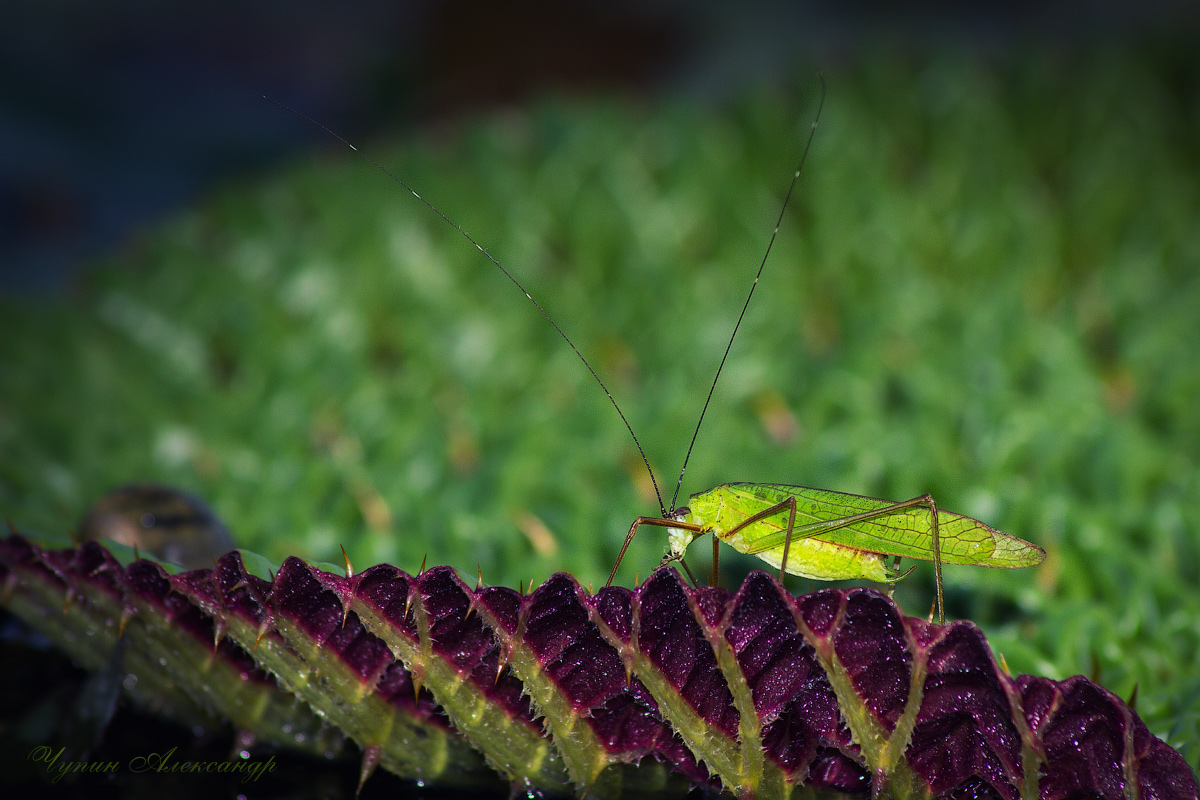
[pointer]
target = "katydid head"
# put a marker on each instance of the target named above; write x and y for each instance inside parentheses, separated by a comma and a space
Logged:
(680, 538)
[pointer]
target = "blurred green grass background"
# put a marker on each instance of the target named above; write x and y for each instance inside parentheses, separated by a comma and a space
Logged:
(987, 288)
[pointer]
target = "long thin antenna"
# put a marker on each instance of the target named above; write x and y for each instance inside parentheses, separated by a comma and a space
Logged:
(515, 282)
(795, 177)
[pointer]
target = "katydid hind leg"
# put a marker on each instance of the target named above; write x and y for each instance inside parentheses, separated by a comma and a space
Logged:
(937, 560)
(834, 524)
(923, 500)
(927, 500)
(787, 540)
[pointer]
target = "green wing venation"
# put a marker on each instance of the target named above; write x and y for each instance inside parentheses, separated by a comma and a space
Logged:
(907, 533)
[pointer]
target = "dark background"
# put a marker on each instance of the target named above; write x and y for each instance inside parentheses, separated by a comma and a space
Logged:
(114, 115)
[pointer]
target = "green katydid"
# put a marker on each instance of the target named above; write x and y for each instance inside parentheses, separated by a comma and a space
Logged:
(828, 535)
(819, 533)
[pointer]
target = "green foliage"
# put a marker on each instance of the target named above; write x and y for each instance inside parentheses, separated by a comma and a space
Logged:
(986, 289)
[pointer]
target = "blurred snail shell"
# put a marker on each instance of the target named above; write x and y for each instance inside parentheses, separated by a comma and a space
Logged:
(161, 521)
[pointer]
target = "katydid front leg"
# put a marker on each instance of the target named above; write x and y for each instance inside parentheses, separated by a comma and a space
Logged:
(657, 522)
